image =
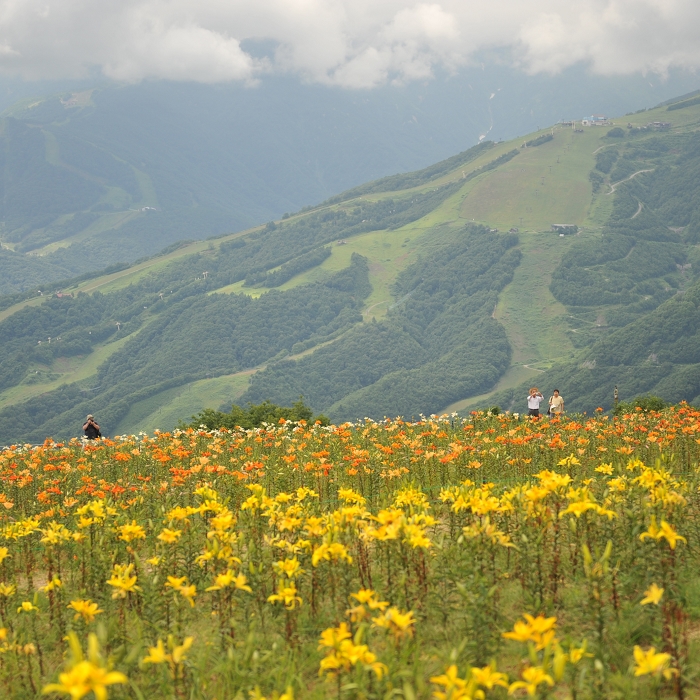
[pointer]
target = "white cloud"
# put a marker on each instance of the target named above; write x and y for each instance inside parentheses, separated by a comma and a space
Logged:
(351, 43)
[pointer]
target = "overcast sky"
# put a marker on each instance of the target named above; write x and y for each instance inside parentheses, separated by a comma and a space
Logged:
(349, 43)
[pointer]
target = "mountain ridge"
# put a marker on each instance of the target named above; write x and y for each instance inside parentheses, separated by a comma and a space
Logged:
(466, 334)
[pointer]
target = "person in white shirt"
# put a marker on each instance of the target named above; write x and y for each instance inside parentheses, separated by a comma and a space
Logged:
(534, 400)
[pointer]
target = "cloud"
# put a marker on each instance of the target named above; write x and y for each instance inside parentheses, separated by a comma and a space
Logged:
(349, 43)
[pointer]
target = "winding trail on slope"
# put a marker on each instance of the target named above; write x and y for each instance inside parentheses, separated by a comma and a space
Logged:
(617, 184)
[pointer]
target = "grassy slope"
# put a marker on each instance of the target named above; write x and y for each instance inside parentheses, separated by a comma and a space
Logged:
(511, 195)
(62, 371)
(531, 337)
(165, 410)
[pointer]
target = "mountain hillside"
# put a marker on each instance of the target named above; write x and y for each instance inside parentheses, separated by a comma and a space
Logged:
(110, 174)
(442, 289)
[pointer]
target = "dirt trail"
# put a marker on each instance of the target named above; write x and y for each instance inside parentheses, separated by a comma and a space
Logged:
(617, 184)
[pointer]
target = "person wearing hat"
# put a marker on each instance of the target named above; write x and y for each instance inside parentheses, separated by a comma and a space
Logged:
(92, 430)
(534, 399)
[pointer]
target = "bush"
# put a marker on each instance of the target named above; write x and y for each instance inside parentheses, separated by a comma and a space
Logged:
(606, 159)
(616, 133)
(253, 416)
(645, 404)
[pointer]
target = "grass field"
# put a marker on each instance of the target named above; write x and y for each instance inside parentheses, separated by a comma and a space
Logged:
(164, 411)
(533, 319)
(541, 186)
(62, 371)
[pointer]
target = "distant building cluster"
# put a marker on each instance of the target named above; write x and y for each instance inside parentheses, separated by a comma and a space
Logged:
(651, 126)
(602, 120)
(596, 120)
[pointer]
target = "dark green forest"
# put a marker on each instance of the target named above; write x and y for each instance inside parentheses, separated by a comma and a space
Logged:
(189, 339)
(437, 344)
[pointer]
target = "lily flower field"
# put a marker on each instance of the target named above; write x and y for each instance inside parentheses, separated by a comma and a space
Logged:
(449, 558)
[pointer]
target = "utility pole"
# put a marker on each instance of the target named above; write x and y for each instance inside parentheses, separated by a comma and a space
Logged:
(616, 397)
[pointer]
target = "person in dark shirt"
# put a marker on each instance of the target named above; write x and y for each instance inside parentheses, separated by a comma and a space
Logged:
(92, 430)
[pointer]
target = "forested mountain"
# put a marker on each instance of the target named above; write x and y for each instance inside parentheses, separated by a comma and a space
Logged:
(436, 346)
(99, 175)
(637, 280)
(569, 257)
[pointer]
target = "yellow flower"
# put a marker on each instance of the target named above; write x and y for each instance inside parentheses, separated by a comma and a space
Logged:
(488, 677)
(156, 654)
(131, 532)
(241, 583)
(577, 653)
(416, 537)
(366, 596)
(169, 536)
(180, 513)
(651, 663)
(27, 607)
(455, 687)
(4, 553)
(343, 654)
(54, 583)
(188, 593)
(176, 583)
(398, 623)
(652, 595)
(538, 629)
(7, 589)
(223, 521)
(665, 531)
(670, 535)
(290, 567)
(85, 609)
(180, 652)
(222, 581)
(123, 581)
(578, 508)
(533, 677)
(286, 594)
(154, 561)
(181, 585)
(85, 675)
(84, 522)
(333, 636)
(227, 579)
(330, 552)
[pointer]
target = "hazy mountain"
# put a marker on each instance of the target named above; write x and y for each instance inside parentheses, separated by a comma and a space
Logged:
(80, 167)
